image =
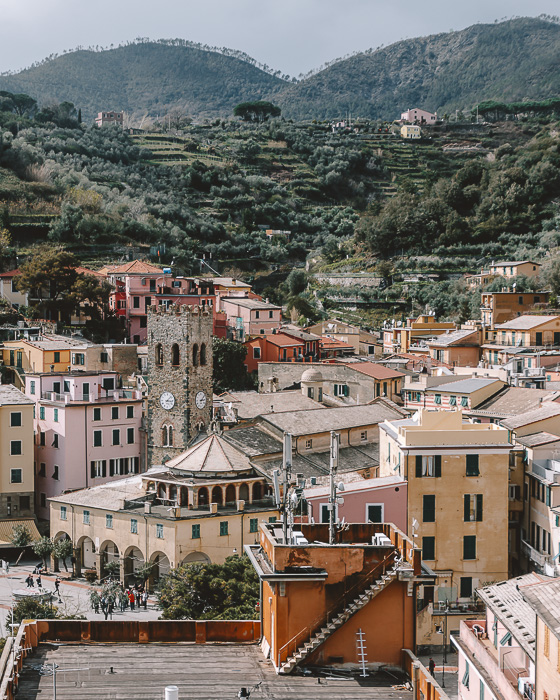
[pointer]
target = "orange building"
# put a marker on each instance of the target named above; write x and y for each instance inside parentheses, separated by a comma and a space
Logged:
(273, 347)
(317, 597)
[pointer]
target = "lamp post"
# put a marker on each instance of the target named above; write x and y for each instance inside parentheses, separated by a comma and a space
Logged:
(444, 632)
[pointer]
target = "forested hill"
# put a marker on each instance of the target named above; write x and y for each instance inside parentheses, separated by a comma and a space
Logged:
(146, 78)
(508, 61)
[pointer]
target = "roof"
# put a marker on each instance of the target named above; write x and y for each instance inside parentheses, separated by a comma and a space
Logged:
(548, 410)
(527, 322)
(537, 439)
(455, 337)
(514, 262)
(281, 340)
(87, 271)
(7, 529)
(250, 404)
(506, 600)
(10, 396)
(331, 343)
(229, 282)
(136, 267)
(321, 420)
(302, 335)
(513, 401)
(350, 459)
(213, 455)
(379, 482)
(544, 599)
(247, 303)
(372, 369)
(11, 273)
(110, 496)
(465, 386)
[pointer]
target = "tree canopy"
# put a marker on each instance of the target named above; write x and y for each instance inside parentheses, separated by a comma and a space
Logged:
(256, 111)
(229, 366)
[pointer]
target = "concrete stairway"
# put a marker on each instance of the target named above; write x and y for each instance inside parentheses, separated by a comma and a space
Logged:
(369, 593)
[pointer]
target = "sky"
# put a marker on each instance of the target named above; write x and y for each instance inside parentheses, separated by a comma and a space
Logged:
(293, 36)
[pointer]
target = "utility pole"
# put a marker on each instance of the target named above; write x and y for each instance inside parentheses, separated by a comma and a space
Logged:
(333, 467)
(287, 464)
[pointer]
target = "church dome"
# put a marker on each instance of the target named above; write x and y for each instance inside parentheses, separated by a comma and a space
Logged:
(312, 375)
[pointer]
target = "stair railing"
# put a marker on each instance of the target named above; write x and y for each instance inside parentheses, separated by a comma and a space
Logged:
(290, 648)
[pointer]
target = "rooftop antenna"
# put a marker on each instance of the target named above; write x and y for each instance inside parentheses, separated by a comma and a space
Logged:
(287, 464)
(333, 467)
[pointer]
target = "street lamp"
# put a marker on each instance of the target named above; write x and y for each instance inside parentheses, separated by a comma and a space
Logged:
(444, 632)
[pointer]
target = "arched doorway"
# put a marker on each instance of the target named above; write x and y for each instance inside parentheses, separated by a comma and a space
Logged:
(173, 493)
(203, 496)
(244, 492)
(109, 557)
(133, 561)
(162, 492)
(217, 495)
(196, 558)
(86, 549)
(230, 494)
(257, 491)
(67, 551)
(160, 567)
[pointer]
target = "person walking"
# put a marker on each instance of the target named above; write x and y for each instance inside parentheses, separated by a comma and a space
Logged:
(57, 583)
(145, 599)
(432, 667)
(131, 600)
(39, 584)
(29, 581)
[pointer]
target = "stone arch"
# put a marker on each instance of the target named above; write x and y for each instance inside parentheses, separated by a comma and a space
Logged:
(109, 552)
(217, 495)
(159, 354)
(196, 558)
(162, 492)
(230, 494)
(203, 354)
(62, 535)
(160, 567)
(202, 496)
(86, 552)
(133, 561)
(184, 496)
(170, 436)
(244, 493)
(257, 491)
(164, 435)
(173, 493)
(195, 355)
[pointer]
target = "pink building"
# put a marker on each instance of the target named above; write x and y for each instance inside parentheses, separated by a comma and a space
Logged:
(418, 116)
(380, 500)
(87, 431)
(247, 317)
(109, 118)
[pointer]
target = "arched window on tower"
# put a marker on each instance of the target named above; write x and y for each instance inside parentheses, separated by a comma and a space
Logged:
(167, 436)
(195, 355)
(203, 354)
(170, 436)
(175, 354)
(164, 436)
(159, 354)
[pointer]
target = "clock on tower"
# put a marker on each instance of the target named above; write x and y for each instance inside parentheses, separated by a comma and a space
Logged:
(179, 378)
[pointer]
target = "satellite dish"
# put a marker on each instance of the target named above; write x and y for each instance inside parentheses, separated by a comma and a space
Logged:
(415, 523)
(340, 486)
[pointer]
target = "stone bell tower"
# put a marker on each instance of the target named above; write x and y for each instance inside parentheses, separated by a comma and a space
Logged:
(179, 378)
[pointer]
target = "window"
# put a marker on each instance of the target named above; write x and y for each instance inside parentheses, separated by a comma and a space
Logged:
(32, 388)
(130, 436)
(473, 507)
(464, 402)
(63, 513)
(15, 447)
(428, 548)
(143, 321)
(203, 354)
(465, 588)
(374, 513)
(98, 468)
(15, 420)
(472, 465)
(341, 390)
(159, 531)
(254, 525)
(130, 411)
(55, 415)
(56, 387)
(42, 439)
(223, 528)
(175, 355)
(24, 502)
(55, 440)
(78, 358)
(97, 438)
(42, 469)
(256, 353)
(428, 466)
(114, 413)
(469, 547)
(308, 444)
(452, 400)
(57, 357)
(41, 413)
(310, 392)
(465, 680)
(96, 414)
(104, 357)
(195, 534)
(66, 386)
(363, 435)
(437, 399)
(135, 302)
(195, 355)
(270, 314)
(257, 314)
(55, 472)
(85, 517)
(272, 519)
(109, 521)
(16, 476)
(429, 508)
(116, 437)
(134, 526)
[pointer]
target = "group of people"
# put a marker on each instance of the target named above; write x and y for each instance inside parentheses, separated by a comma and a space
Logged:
(133, 597)
(30, 581)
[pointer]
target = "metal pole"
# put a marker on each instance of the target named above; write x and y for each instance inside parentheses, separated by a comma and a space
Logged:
(444, 643)
(287, 476)
(54, 680)
(333, 466)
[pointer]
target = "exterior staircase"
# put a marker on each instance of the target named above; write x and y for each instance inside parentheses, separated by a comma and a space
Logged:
(329, 626)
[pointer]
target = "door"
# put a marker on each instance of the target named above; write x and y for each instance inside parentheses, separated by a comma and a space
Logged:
(374, 512)
(85, 391)
(538, 338)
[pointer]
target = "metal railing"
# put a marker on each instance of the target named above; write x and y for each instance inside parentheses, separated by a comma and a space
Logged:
(313, 627)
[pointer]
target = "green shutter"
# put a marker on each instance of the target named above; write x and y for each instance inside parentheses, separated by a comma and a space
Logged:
(418, 466)
(467, 507)
(438, 465)
(479, 507)
(336, 389)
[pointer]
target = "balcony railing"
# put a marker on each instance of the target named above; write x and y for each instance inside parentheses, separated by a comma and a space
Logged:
(105, 395)
(534, 555)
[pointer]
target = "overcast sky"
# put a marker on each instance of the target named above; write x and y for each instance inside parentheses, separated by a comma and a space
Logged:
(289, 35)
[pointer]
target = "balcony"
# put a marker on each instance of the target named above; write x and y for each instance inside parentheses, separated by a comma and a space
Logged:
(105, 396)
(508, 667)
(547, 471)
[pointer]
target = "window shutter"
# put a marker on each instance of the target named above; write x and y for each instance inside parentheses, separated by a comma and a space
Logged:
(438, 465)
(418, 466)
(92, 473)
(479, 506)
(111, 467)
(346, 390)
(467, 507)
(104, 467)
(336, 389)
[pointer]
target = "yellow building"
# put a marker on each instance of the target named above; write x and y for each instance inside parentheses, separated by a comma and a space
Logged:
(457, 475)
(529, 268)
(412, 335)
(411, 131)
(16, 453)
(202, 506)
(544, 599)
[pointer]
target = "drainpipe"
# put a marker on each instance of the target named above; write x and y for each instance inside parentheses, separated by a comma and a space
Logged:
(85, 442)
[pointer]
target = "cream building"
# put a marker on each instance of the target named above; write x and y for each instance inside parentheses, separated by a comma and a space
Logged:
(202, 506)
(457, 475)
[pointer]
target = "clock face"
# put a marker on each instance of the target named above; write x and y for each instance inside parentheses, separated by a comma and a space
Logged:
(167, 400)
(200, 399)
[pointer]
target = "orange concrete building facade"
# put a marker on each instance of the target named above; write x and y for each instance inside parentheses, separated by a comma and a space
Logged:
(316, 597)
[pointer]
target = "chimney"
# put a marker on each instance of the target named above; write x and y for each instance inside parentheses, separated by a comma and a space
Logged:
(147, 507)
(214, 508)
(240, 505)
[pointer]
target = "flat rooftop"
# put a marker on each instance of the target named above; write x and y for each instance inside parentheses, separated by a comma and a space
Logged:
(201, 672)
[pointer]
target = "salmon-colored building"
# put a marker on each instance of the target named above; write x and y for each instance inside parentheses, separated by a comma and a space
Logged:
(273, 347)
(317, 597)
